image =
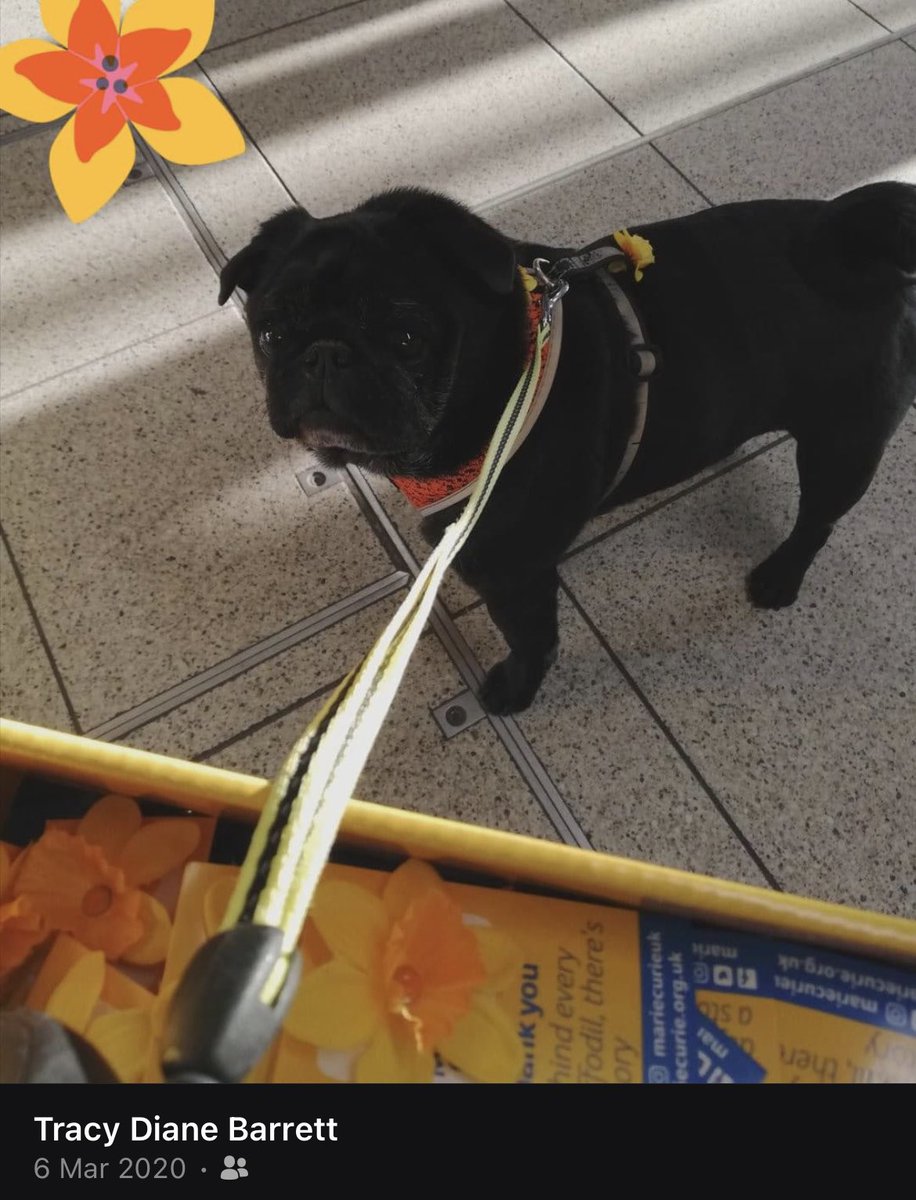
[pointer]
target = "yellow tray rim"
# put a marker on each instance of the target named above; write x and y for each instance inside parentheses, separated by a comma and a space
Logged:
(511, 857)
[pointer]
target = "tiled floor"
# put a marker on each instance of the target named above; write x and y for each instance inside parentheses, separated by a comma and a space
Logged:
(167, 582)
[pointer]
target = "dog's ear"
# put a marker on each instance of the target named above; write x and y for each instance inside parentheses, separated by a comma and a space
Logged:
(275, 238)
(464, 240)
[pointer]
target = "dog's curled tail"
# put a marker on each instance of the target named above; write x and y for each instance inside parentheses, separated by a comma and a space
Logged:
(875, 227)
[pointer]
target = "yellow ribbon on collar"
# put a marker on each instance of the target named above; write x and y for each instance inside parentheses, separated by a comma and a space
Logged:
(637, 249)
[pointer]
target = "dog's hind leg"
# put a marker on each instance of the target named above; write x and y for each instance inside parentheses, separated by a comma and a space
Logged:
(834, 474)
(525, 612)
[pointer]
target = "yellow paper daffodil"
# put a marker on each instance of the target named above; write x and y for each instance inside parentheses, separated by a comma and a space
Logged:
(123, 1020)
(408, 979)
(130, 1039)
(111, 75)
(88, 883)
(637, 249)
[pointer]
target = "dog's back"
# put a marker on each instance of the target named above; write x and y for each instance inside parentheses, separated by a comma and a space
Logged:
(874, 229)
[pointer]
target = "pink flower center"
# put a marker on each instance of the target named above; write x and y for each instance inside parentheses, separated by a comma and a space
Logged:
(112, 78)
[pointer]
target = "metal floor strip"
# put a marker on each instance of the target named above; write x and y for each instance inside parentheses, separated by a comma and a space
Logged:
(245, 660)
(506, 729)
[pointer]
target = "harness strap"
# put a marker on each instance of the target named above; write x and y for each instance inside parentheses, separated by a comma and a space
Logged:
(645, 363)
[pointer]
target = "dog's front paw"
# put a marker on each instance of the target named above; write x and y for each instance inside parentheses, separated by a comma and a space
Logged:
(507, 689)
(512, 684)
(774, 583)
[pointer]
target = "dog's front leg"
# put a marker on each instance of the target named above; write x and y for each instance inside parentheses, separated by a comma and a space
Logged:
(524, 610)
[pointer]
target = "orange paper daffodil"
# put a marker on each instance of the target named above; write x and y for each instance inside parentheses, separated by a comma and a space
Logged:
(409, 979)
(112, 76)
(88, 884)
(21, 925)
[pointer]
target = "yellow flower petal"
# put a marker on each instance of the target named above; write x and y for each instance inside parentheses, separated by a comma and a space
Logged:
(56, 16)
(153, 945)
(392, 1057)
(83, 188)
(208, 132)
(216, 901)
(502, 958)
(110, 823)
(335, 1008)
(123, 1039)
(158, 848)
(484, 1044)
(196, 15)
(352, 921)
(77, 994)
(19, 95)
(312, 946)
(407, 884)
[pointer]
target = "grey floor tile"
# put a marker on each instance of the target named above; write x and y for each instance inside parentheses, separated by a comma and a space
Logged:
(468, 778)
(839, 128)
(20, 19)
(157, 520)
(72, 293)
(10, 124)
(621, 777)
(802, 721)
(234, 19)
(241, 18)
(911, 42)
(607, 522)
(631, 188)
(660, 63)
(232, 197)
(460, 96)
(28, 689)
(895, 14)
(251, 699)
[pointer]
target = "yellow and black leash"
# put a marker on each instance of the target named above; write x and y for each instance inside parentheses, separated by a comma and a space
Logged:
(232, 999)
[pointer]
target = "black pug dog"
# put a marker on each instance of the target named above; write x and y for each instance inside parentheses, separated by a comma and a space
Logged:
(392, 336)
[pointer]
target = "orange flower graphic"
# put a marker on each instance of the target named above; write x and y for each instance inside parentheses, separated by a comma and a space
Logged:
(111, 76)
(408, 978)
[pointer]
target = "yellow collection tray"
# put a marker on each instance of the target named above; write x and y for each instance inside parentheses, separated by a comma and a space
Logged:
(504, 857)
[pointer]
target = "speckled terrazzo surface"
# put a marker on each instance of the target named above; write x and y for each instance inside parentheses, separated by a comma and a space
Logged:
(165, 580)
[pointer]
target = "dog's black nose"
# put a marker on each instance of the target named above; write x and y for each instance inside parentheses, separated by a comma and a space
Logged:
(322, 355)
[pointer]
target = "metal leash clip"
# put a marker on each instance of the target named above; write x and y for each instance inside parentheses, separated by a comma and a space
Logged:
(554, 278)
(554, 286)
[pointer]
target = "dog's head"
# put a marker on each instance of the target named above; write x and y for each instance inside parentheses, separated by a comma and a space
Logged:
(381, 332)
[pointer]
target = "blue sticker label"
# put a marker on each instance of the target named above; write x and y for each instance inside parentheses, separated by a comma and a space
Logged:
(682, 1045)
(720, 1059)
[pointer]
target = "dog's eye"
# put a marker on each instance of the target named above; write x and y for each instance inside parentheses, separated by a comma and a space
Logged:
(268, 341)
(408, 343)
